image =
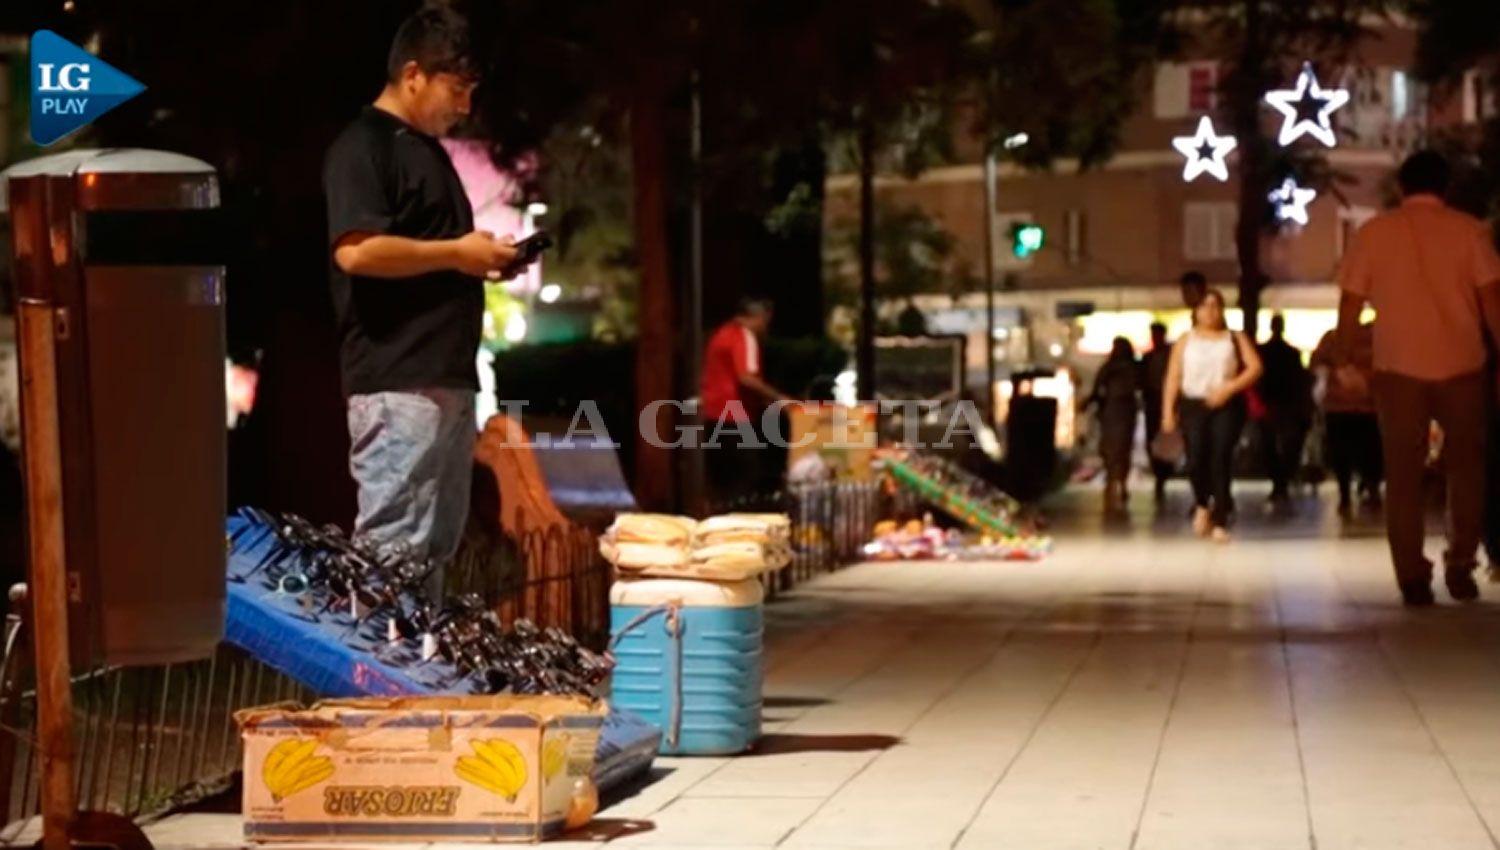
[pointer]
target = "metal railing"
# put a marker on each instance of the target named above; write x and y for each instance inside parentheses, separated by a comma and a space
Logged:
(553, 577)
(148, 739)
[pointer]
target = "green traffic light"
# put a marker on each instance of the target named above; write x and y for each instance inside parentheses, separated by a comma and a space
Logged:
(1027, 239)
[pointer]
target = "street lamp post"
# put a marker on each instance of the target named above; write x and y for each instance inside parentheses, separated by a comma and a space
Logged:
(991, 240)
(989, 290)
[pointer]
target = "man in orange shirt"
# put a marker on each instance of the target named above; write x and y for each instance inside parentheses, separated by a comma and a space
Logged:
(731, 366)
(1351, 435)
(1431, 273)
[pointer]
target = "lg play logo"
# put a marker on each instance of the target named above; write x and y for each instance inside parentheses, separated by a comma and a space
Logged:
(71, 87)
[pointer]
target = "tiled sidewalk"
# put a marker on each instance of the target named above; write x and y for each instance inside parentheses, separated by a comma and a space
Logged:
(1136, 690)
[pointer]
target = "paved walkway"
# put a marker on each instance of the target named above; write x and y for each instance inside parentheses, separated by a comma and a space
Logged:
(1138, 689)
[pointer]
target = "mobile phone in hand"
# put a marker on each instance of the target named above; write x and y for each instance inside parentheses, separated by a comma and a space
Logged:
(528, 251)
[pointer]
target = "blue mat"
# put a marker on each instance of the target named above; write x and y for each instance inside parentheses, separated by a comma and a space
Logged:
(584, 479)
(335, 657)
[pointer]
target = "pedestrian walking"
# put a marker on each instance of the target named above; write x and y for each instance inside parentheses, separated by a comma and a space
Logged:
(408, 295)
(1153, 382)
(1351, 436)
(1430, 272)
(1286, 390)
(1211, 369)
(1116, 395)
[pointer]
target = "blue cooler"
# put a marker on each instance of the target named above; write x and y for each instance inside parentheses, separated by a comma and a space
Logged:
(688, 660)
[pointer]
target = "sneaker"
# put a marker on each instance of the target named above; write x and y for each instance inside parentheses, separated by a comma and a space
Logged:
(1461, 584)
(1203, 522)
(1417, 594)
(1220, 534)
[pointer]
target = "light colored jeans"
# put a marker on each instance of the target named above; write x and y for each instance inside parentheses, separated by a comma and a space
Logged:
(412, 454)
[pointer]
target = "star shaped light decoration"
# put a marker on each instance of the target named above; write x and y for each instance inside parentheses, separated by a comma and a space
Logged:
(1206, 152)
(1291, 200)
(1307, 108)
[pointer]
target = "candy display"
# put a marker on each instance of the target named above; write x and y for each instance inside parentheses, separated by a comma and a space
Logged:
(998, 531)
(383, 595)
(924, 540)
(910, 541)
(958, 493)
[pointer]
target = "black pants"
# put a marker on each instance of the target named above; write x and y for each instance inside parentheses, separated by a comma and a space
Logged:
(1407, 407)
(1491, 538)
(1282, 436)
(1211, 437)
(1351, 445)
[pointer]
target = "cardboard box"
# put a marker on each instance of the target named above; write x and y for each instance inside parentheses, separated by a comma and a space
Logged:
(413, 769)
(844, 437)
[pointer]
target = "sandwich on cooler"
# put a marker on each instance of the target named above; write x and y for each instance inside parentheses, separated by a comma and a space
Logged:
(643, 556)
(728, 547)
(647, 541)
(730, 559)
(729, 528)
(662, 529)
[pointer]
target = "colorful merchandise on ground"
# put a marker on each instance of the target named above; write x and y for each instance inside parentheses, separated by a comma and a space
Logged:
(994, 518)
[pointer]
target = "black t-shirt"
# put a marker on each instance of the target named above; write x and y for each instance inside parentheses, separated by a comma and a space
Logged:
(383, 176)
(1285, 381)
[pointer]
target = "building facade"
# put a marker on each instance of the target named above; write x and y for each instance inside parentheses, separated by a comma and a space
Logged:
(1119, 235)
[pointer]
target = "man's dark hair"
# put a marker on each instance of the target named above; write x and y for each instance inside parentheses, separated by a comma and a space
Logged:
(1424, 173)
(753, 307)
(1158, 330)
(437, 39)
(1193, 278)
(1278, 324)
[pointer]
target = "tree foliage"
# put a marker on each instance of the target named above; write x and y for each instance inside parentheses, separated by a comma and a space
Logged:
(1459, 45)
(914, 255)
(1065, 72)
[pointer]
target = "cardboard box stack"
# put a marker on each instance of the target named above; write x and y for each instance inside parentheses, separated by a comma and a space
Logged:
(729, 547)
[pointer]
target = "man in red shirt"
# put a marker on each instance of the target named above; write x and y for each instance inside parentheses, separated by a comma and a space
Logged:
(731, 366)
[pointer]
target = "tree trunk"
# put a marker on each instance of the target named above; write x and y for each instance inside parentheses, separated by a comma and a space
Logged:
(865, 356)
(654, 357)
(1245, 97)
(1250, 229)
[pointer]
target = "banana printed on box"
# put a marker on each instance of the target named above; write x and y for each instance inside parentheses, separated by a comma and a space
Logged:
(497, 765)
(291, 766)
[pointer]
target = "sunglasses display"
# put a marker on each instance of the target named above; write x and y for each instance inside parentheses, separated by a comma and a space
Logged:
(381, 599)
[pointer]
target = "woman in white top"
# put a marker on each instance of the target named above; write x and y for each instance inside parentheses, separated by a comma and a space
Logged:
(1210, 370)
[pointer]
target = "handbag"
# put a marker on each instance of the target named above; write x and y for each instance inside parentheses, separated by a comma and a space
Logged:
(1168, 447)
(1255, 406)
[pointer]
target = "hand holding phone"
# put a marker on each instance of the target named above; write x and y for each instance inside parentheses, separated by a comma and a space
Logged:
(528, 251)
(479, 253)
